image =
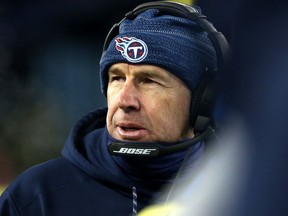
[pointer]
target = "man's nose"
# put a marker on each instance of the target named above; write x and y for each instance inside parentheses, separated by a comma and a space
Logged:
(129, 97)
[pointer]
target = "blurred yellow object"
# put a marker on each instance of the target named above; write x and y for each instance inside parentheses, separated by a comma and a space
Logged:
(162, 210)
(2, 188)
(189, 2)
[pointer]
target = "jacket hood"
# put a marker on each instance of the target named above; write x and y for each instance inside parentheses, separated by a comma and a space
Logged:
(87, 148)
(75, 147)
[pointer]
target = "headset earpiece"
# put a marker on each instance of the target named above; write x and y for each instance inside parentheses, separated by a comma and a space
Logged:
(202, 103)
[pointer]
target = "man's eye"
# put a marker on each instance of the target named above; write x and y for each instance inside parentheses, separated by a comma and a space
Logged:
(147, 80)
(116, 78)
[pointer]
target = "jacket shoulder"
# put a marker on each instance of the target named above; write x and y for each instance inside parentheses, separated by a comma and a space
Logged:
(43, 178)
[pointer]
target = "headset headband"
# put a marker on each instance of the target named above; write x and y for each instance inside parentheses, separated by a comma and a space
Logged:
(181, 10)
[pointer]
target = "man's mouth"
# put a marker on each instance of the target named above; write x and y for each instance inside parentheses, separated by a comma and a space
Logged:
(129, 128)
(131, 131)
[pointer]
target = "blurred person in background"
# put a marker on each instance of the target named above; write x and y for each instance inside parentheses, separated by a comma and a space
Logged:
(157, 70)
(247, 175)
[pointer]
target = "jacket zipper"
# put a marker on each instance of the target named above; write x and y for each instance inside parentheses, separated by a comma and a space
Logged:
(134, 195)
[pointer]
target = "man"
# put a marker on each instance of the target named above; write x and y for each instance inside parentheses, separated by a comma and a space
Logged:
(111, 164)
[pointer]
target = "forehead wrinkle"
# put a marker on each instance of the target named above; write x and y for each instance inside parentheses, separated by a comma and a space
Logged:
(140, 70)
(152, 71)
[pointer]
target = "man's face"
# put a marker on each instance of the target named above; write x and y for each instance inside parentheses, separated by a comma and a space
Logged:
(147, 103)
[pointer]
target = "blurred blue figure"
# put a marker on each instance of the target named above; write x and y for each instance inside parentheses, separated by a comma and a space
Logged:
(245, 173)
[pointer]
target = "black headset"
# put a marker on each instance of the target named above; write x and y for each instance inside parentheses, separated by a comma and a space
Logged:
(205, 94)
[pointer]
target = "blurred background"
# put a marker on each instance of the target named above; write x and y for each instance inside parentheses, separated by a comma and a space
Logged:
(49, 54)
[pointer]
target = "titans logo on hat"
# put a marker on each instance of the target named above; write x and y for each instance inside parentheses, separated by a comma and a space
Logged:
(131, 48)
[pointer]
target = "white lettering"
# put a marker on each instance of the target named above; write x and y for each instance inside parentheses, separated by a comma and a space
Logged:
(138, 151)
(148, 151)
(122, 150)
(131, 151)
(134, 151)
(135, 50)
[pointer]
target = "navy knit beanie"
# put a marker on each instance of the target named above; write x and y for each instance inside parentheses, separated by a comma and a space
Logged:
(176, 44)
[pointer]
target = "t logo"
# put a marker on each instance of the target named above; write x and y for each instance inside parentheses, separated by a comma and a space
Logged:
(133, 49)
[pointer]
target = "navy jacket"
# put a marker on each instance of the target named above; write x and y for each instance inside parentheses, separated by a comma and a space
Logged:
(86, 180)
